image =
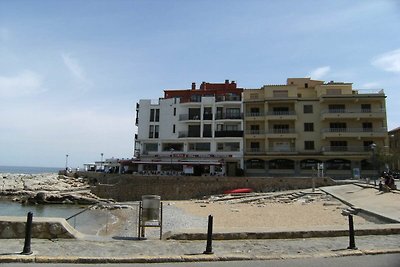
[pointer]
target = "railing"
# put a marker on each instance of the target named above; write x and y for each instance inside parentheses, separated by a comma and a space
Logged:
(228, 133)
(254, 114)
(227, 116)
(281, 131)
(255, 150)
(354, 130)
(346, 149)
(188, 134)
(227, 98)
(350, 111)
(186, 117)
(281, 149)
(255, 132)
(281, 113)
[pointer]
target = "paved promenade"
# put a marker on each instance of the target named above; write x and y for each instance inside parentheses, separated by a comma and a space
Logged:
(131, 250)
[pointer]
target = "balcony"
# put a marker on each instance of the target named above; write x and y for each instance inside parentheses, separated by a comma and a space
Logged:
(255, 150)
(353, 114)
(282, 150)
(186, 117)
(281, 115)
(228, 134)
(227, 116)
(253, 116)
(253, 133)
(231, 98)
(184, 134)
(345, 149)
(282, 133)
(353, 132)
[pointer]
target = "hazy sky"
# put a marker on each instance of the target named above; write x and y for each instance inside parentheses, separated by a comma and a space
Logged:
(72, 71)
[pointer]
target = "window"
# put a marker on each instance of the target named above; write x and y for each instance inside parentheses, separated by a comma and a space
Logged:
(194, 131)
(337, 108)
(255, 147)
(281, 128)
(231, 146)
(254, 111)
(207, 113)
(306, 85)
(367, 145)
(151, 147)
(338, 145)
(337, 126)
(308, 108)
(151, 131)
(255, 164)
(199, 146)
(367, 126)
(281, 110)
(194, 114)
(207, 130)
(233, 113)
(366, 108)
(254, 129)
(156, 131)
(173, 128)
(309, 145)
(151, 114)
(309, 127)
(281, 164)
(174, 111)
(154, 114)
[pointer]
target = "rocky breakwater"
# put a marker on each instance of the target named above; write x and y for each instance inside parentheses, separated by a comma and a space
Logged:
(48, 188)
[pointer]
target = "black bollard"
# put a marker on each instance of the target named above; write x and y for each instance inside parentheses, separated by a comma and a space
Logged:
(209, 236)
(352, 244)
(28, 235)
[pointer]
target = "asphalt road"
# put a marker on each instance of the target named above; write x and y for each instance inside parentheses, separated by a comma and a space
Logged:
(384, 260)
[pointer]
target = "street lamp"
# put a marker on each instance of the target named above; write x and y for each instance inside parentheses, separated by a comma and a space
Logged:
(374, 169)
(172, 151)
(66, 162)
(101, 162)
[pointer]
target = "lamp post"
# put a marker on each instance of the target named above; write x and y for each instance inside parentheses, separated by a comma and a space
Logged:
(101, 162)
(374, 169)
(172, 151)
(66, 162)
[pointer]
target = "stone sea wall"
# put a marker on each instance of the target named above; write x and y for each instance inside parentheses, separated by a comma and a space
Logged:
(131, 187)
(45, 228)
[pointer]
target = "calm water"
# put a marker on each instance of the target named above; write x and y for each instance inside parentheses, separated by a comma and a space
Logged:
(88, 222)
(28, 170)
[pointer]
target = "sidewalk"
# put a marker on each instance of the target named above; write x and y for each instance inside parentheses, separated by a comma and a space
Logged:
(368, 198)
(152, 251)
(131, 250)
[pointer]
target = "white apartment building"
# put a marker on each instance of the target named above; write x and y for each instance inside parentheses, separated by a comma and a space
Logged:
(191, 131)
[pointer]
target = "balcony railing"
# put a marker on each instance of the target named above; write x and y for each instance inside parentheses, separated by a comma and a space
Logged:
(227, 116)
(281, 149)
(345, 149)
(255, 132)
(184, 134)
(354, 130)
(186, 117)
(350, 111)
(281, 131)
(281, 113)
(221, 98)
(228, 133)
(255, 150)
(254, 114)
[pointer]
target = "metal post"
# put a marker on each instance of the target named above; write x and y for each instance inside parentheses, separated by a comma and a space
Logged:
(352, 244)
(28, 235)
(209, 236)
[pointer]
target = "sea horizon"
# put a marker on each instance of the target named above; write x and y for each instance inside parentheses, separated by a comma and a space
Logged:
(29, 169)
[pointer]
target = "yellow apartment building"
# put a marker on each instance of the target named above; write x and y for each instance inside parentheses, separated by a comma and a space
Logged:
(305, 125)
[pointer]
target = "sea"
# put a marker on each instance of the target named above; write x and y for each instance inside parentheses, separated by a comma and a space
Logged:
(28, 169)
(88, 222)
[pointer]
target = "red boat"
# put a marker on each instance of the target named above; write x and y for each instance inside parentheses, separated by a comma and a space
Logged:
(238, 191)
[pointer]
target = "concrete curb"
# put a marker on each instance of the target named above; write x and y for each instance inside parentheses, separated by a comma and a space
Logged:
(384, 229)
(187, 258)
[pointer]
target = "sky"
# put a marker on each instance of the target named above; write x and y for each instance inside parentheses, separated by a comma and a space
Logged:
(71, 71)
